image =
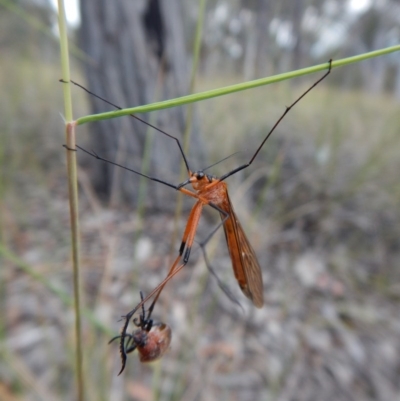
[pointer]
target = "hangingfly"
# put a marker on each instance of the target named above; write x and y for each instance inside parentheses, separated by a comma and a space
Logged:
(211, 191)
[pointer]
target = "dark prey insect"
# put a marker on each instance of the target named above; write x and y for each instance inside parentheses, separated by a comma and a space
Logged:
(151, 339)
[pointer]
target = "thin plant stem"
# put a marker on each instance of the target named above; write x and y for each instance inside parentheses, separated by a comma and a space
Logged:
(234, 88)
(70, 139)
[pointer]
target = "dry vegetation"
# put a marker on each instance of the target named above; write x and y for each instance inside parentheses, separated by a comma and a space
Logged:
(321, 205)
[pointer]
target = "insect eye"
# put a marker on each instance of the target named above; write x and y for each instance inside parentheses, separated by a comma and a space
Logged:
(200, 175)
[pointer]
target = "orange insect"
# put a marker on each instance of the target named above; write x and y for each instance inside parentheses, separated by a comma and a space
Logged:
(151, 339)
(212, 191)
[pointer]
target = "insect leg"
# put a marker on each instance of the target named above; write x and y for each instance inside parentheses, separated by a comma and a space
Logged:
(242, 167)
(173, 271)
(203, 244)
(221, 285)
(137, 118)
(187, 242)
(96, 156)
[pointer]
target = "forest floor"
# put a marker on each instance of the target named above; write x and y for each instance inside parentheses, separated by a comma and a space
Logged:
(320, 206)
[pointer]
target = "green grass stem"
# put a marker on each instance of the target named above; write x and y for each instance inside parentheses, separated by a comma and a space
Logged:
(70, 138)
(233, 88)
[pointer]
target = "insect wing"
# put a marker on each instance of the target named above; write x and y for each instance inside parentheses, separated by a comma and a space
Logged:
(244, 260)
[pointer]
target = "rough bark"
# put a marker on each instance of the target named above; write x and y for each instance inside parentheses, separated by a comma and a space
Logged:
(137, 54)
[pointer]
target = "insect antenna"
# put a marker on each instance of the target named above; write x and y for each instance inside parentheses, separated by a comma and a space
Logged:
(220, 161)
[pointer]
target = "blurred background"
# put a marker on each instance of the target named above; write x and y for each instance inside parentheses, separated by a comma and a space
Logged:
(320, 204)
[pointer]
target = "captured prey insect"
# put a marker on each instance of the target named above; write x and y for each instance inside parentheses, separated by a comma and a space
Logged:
(151, 339)
(212, 191)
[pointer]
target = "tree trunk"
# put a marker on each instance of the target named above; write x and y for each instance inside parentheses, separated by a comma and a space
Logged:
(298, 11)
(138, 56)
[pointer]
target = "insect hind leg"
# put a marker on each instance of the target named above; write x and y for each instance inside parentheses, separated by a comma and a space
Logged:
(221, 285)
(203, 244)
